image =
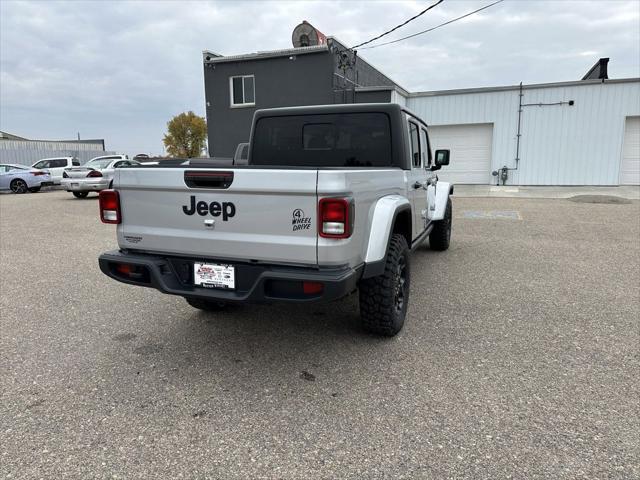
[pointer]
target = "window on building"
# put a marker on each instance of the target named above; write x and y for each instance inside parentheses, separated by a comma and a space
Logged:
(242, 90)
(415, 144)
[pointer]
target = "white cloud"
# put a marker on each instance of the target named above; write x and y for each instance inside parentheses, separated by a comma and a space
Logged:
(120, 70)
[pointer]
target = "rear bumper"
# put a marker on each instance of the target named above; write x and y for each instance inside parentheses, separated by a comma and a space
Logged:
(84, 185)
(254, 283)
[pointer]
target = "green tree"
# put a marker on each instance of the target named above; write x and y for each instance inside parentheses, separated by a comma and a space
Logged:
(186, 135)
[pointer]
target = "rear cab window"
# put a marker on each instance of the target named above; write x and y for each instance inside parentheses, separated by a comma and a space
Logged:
(323, 140)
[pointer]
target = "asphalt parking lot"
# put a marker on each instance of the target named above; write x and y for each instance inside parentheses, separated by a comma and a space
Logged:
(520, 359)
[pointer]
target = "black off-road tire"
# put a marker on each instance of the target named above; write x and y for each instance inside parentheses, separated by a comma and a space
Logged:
(34, 189)
(80, 194)
(440, 236)
(206, 305)
(384, 299)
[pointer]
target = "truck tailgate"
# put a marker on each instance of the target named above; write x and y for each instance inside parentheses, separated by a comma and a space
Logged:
(267, 215)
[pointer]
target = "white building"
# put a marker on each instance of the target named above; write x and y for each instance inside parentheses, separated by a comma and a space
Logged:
(584, 132)
(571, 133)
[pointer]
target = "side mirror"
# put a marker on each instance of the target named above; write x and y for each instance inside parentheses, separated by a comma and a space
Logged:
(442, 158)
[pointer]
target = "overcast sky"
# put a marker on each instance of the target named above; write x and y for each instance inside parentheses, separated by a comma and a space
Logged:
(120, 70)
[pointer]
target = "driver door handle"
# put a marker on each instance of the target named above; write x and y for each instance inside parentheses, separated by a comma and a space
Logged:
(418, 185)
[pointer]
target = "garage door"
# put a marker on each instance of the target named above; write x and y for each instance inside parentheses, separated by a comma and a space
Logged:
(630, 166)
(470, 147)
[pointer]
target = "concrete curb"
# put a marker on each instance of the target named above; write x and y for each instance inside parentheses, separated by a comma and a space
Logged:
(629, 192)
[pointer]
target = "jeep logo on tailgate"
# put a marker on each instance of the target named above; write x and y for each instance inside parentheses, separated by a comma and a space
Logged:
(226, 209)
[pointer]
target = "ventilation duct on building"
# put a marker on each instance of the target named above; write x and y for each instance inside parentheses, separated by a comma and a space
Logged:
(305, 35)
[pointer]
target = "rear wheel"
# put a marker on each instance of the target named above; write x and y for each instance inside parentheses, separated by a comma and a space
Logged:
(34, 189)
(384, 299)
(18, 186)
(206, 305)
(440, 236)
(80, 194)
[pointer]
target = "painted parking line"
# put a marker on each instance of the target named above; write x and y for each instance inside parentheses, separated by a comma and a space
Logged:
(492, 214)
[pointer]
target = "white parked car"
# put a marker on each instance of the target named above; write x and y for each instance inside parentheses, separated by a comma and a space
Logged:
(95, 175)
(22, 179)
(56, 166)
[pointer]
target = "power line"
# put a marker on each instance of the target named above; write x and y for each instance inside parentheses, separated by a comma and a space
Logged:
(398, 26)
(433, 28)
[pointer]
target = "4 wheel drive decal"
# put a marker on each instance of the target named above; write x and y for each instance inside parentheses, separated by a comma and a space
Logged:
(299, 221)
(226, 209)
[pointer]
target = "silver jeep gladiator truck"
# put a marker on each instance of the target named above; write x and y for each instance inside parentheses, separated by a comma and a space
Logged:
(331, 200)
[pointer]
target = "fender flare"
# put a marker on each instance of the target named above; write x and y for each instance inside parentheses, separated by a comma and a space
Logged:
(441, 197)
(383, 218)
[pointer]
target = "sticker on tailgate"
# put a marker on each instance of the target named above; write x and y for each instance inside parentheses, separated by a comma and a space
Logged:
(299, 221)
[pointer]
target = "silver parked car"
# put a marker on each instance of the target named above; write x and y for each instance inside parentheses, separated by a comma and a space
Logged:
(22, 179)
(95, 175)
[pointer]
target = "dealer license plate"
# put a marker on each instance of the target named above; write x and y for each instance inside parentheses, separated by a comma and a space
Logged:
(213, 275)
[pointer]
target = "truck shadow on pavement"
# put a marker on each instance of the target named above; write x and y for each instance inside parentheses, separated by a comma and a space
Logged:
(281, 344)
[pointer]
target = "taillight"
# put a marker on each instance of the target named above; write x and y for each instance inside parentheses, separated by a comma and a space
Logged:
(137, 273)
(37, 174)
(94, 173)
(123, 268)
(312, 288)
(110, 206)
(64, 175)
(335, 217)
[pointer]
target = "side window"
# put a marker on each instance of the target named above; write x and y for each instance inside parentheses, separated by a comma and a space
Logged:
(415, 144)
(426, 148)
(119, 164)
(3, 169)
(75, 162)
(242, 90)
(42, 164)
(59, 162)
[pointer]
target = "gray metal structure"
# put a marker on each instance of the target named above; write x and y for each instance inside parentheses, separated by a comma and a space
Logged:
(27, 152)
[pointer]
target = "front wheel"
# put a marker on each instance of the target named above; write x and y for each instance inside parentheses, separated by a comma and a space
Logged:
(206, 305)
(80, 194)
(440, 236)
(384, 299)
(19, 186)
